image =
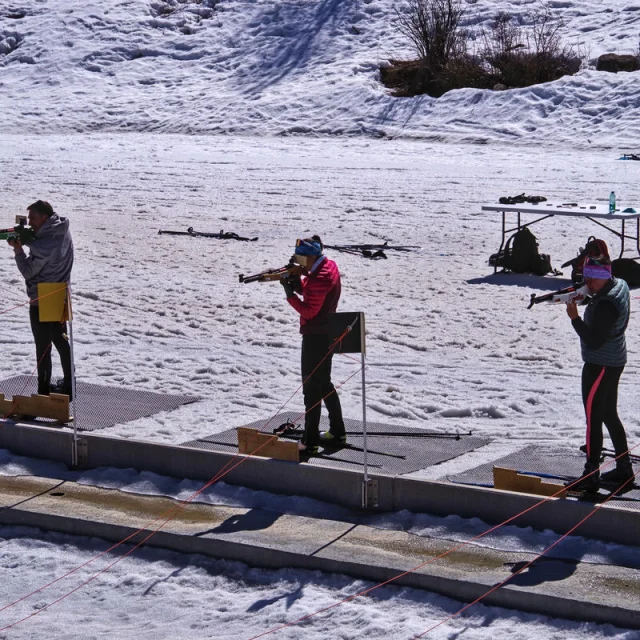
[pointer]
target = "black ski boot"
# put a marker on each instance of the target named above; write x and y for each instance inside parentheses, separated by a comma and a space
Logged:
(622, 474)
(589, 481)
(64, 387)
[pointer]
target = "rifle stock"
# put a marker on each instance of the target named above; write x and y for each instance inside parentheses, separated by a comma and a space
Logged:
(569, 294)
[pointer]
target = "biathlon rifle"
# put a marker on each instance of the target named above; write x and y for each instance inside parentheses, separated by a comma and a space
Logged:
(574, 293)
(290, 270)
(20, 232)
(373, 247)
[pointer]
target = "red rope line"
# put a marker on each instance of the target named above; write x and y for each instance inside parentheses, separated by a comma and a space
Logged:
(172, 513)
(180, 506)
(168, 516)
(46, 295)
(526, 566)
(442, 555)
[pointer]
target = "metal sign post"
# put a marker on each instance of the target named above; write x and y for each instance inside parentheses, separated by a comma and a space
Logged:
(365, 482)
(350, 328)
(74, 444)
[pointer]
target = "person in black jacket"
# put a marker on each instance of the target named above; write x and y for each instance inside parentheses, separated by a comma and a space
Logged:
(50, 259)
(604, 352)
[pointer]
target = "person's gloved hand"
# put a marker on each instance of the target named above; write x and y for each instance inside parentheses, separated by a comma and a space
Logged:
(288, 287)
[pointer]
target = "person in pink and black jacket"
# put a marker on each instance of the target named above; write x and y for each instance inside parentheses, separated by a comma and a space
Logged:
(315, 296)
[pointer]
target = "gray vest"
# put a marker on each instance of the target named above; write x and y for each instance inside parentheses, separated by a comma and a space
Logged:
(613, 353)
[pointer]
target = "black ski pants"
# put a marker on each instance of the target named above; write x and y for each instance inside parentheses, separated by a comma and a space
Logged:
(316, 387)
(45, 334)
(600, 398)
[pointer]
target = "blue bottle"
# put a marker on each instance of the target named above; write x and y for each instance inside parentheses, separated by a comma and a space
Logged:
(612, 202)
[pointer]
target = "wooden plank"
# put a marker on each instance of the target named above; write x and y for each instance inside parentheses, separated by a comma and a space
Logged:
(255, 443)
(6, 406)
(54, 406)
(511, 480)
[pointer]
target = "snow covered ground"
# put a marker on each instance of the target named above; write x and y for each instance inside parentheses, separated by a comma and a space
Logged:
(170, 595)
(108, 110)
(154, 594)
(449, 345)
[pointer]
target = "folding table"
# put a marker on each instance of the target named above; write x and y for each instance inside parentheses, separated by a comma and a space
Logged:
(598, 213)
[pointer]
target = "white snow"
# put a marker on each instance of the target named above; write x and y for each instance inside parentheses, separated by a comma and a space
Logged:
(263, 67)
(113, 112)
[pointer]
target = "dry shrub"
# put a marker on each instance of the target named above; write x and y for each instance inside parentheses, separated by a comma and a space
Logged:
(433, 26)
(406, 78)
(510, 56)
(517, 58)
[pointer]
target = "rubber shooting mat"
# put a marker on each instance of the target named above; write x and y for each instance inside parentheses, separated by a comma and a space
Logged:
(561, 463)
(392, 450)
(99, 406)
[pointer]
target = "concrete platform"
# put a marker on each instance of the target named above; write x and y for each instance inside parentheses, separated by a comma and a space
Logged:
(604, 594)
(611, 522)
(552, 587)
(554, 464)
(391, 449)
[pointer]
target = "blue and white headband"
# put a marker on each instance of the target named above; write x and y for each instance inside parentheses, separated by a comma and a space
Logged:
(308, 248)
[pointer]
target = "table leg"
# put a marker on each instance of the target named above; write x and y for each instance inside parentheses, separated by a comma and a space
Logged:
(622, 240)
(504, 229)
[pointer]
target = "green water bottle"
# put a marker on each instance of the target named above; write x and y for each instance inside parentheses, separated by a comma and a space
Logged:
(612, 202)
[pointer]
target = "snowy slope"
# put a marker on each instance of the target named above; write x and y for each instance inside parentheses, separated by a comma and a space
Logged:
(265, 67)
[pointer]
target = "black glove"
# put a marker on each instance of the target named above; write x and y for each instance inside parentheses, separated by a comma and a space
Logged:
(288, 287)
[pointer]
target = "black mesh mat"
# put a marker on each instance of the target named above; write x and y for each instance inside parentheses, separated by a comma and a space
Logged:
(98, 406)
(391, 449)
(562, 463)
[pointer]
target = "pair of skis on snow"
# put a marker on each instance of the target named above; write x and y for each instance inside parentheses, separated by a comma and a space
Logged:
(371, 251)
(223, 235)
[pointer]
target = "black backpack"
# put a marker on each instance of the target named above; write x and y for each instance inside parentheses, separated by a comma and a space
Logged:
(628, 270)
(521, 255)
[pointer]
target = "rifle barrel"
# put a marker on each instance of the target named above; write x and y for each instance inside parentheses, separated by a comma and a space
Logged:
(372, 247)
(269, 275)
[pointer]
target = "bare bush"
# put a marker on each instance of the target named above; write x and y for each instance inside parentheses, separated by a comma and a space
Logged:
(510, 55)
(433, 26)
(516, 57)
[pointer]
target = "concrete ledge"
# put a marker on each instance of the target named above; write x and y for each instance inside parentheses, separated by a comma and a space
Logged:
(604, 594)
(609, 522)
(338, 486)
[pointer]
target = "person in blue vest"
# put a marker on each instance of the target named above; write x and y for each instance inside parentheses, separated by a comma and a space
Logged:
(604, 353)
